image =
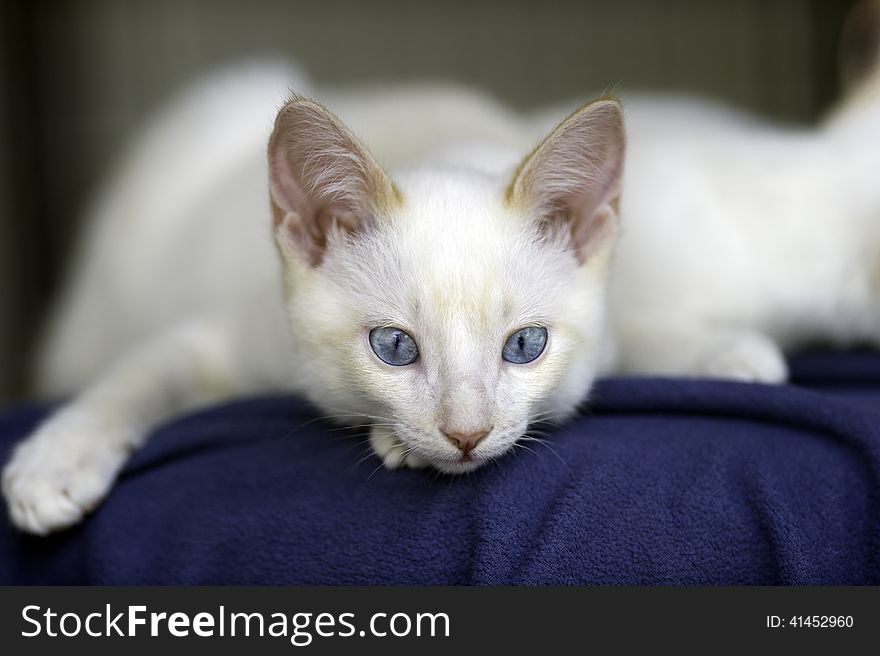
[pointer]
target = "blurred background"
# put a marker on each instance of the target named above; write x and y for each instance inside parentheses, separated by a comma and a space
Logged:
(78, 76)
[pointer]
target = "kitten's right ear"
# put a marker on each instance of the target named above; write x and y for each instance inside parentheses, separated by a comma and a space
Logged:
(322, 181)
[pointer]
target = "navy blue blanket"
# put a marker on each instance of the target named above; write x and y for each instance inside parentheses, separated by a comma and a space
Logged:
(656, 482)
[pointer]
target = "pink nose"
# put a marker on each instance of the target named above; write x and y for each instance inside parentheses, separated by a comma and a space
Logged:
(467, 441)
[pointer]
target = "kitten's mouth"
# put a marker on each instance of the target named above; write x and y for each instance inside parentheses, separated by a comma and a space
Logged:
(460, 465)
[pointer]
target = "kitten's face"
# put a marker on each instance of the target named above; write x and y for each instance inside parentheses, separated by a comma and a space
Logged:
(479, 322)
(455, 314)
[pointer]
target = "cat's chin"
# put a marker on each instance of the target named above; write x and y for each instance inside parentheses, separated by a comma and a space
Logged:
(460, 466)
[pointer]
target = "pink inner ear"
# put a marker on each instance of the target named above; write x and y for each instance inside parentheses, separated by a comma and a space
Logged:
(286, 195)
(588, 233)
(584, 204)
(291, 210)
(309, 238)
(292, 236)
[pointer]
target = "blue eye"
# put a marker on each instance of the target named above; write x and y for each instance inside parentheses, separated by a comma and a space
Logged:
(393, 346)
(525, 345)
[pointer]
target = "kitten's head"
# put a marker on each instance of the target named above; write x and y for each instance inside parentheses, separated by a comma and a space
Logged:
(452, 308)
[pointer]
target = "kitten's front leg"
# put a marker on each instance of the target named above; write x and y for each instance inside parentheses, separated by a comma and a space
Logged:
(745, 355)
(67, 466)
(705, 351)
(393, 453)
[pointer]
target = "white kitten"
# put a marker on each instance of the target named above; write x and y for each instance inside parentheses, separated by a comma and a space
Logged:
(450, 303)
(462, 296)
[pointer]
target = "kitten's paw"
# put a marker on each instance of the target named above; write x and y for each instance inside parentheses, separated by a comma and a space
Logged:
(748, 357)
(60, 473)
(393, 453)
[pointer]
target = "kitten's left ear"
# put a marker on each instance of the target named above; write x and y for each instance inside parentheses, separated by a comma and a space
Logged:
(571, 181)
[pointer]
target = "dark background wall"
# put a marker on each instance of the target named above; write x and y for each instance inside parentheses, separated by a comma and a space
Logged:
(77, 76)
